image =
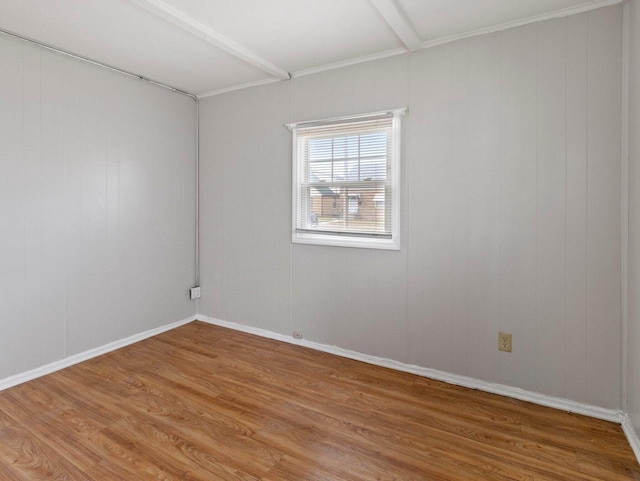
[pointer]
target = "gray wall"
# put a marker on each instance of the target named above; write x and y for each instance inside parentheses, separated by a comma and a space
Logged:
(511, 210)
(96, 206)
(633, 383)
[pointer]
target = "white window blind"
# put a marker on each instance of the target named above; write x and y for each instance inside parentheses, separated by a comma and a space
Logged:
(345, 181)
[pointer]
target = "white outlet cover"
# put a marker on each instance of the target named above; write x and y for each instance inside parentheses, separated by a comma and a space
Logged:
(194, 292)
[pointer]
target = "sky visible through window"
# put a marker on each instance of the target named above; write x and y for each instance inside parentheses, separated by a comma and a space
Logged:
(348, 159)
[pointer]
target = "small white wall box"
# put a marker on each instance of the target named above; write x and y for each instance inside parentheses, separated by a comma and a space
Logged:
(194, 292)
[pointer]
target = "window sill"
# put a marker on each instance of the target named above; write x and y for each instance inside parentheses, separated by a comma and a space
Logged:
(346, 241)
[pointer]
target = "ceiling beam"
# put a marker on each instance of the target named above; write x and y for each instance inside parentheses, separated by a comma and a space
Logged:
(193, 26)
(397, 20)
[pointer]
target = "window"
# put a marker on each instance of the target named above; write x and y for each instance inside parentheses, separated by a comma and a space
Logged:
(346, 181)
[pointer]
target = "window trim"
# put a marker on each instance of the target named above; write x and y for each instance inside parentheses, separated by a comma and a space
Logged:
(346, 240)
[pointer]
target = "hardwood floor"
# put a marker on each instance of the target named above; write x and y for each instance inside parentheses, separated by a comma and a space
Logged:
(206, 403)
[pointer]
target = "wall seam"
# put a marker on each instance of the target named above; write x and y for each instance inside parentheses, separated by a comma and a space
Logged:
(586, 326)
(625, 207)
(566, 187)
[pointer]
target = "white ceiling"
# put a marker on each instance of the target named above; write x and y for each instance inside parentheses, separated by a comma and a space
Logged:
(204, 46)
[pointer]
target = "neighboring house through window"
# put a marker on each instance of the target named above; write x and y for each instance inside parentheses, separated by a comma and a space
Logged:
(346, 181)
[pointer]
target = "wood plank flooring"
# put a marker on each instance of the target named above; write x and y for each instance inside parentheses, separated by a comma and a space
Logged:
(203, 403)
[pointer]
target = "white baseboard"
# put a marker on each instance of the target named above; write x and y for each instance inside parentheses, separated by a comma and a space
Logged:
(501, 389)
(86, 355)
(495, 388)
(632, 434)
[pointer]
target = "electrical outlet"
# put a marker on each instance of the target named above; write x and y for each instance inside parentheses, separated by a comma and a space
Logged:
(297, 335)
(194, 292)
(504, 342)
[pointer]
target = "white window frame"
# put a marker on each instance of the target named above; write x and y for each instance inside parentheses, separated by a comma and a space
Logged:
(346, 240)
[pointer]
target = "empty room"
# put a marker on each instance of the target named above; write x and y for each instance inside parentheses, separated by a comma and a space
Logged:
(319, 240)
